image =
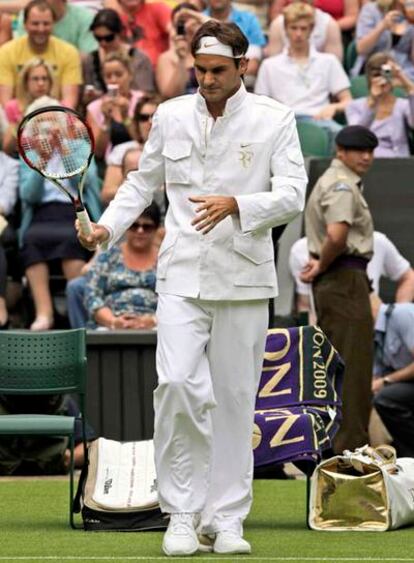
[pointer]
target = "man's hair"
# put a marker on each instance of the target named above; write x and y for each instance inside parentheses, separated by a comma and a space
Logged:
(299, 11)
(41, 5)
(227, 33)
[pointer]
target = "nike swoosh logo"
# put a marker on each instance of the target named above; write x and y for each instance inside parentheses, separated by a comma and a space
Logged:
(209, 45)
(244, 145)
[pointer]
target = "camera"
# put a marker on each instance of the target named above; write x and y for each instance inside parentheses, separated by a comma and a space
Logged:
(386, 72)
(180, 27)
(113, 90)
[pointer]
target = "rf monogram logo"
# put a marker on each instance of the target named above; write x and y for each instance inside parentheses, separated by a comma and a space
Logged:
(246, 157)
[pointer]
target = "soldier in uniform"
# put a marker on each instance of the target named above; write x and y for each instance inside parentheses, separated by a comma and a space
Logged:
(340, 236)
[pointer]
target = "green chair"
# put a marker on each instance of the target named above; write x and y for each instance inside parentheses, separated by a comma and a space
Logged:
(314, 140)
(44, 363)
(350, 56)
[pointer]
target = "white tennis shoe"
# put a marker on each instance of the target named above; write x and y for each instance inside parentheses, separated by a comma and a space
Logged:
(224, 542)
(180, 537)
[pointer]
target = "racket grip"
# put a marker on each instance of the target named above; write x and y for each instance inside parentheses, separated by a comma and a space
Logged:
(84, 222)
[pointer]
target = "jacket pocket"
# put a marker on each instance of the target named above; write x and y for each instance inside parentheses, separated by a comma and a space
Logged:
(165, 255)
(254, 261)
(177, 156)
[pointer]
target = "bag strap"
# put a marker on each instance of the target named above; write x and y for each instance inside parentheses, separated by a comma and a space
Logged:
(385, 456)
(81, 484)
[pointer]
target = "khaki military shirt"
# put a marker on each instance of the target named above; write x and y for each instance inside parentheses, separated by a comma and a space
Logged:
(337, 198)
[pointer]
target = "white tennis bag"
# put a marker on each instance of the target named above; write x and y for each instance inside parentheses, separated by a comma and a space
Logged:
(365, 490)
(118, 490)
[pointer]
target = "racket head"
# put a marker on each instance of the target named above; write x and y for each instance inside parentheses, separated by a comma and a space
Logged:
(56, 141)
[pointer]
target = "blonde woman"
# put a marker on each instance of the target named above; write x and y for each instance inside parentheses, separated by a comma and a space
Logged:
(36, 79)
(386, 25)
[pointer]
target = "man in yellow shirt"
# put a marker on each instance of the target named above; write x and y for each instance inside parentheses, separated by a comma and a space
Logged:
(39, 43)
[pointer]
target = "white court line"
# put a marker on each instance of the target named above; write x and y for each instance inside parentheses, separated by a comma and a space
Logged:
(211, 559)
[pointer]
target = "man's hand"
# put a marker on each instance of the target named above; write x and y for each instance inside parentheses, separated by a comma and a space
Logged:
(327, 112)
(212, 210)
(98, 236)
(137, 322)
(310, 271)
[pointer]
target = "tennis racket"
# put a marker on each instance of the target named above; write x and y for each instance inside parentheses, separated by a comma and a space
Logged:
(56, 142)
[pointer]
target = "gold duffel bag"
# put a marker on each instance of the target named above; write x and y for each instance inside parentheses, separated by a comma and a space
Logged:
(364, 490)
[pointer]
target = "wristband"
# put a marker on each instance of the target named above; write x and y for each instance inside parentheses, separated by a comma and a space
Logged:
(387, 380)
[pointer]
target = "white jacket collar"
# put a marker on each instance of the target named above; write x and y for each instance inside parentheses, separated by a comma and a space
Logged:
(232, 104)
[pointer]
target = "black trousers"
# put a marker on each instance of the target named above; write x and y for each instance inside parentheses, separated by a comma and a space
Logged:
(8, 252)
(395, 405)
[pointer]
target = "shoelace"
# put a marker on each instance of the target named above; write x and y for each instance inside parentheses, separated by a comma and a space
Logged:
(181, 523)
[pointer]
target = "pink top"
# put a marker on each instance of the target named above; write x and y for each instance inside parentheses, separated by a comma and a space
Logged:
(94, 108)
(13, 112)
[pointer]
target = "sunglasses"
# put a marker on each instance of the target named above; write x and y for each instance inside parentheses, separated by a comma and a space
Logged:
(144, 117)
(146, 227)
(108, 38)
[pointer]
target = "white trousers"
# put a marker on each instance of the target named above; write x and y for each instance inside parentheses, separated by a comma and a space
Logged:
(209, 359)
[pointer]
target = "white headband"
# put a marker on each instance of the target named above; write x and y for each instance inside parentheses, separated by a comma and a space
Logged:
(212, 46)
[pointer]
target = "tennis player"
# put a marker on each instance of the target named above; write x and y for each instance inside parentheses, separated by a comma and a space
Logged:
(232, 166)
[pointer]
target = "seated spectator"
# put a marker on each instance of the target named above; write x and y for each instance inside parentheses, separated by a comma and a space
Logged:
(393, 382)
(120, 285)
(304, 79)
(110, 116)
(72, 24)
(386, 262)
(325, 36)
(39, 42)
(175, 74)
(47, 234)
(108, 32)
(222, 10)
(9, 170)
(147, 25)
(36, 78)
(385, 114)
(345, 12)
(385, 25)
(141, 125)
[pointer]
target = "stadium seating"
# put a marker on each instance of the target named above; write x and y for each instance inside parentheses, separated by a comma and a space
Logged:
(314, 140)
(44, 363)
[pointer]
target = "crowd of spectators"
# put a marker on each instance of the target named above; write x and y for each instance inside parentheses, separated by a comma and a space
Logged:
(116, 60)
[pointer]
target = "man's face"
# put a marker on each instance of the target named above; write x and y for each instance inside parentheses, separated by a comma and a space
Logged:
(39, 25)
(359, 161)
(298, 32)
(218, 77)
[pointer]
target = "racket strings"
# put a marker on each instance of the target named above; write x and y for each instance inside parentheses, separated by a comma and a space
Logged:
(57, 144)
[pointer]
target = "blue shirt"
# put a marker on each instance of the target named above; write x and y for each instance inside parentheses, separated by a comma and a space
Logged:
(248, 23)
(398, 346)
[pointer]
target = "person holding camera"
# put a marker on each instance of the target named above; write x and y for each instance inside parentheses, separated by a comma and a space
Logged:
(110, 116)
(174, 73)
(385, 25)
(381, 111)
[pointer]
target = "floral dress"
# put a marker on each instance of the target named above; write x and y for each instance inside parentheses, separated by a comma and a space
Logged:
(110, 283)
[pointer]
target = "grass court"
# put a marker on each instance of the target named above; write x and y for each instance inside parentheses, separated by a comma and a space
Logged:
(34, 527)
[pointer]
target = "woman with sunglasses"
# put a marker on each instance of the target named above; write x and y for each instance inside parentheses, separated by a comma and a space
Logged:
(107, 29)
(120, 284)
(141, 125)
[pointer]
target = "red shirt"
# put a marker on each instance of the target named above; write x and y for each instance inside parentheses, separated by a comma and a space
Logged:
(333, 7)
(148, 28)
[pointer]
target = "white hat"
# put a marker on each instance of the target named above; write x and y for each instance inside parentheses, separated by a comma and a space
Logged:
(41, 102)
